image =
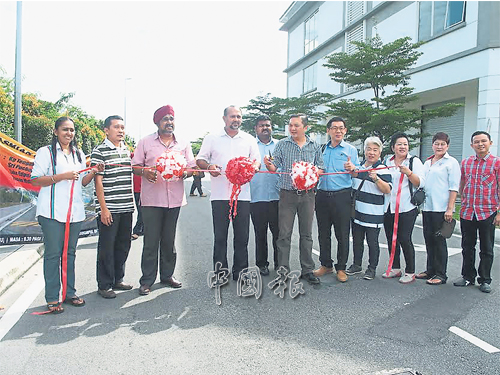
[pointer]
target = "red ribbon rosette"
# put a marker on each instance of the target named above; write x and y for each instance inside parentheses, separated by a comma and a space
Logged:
(239, 171)
(304, 175)
(171, 165)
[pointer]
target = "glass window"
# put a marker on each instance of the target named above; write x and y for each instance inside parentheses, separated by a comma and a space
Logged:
(455, 13)
(437, 16)
(309, 78)
(310, 34)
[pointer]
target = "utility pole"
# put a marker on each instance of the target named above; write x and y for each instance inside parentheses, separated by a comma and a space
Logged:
(18, 126)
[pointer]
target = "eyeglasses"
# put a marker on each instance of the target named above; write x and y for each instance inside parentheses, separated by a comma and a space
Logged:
(168, 118)
(337, 128)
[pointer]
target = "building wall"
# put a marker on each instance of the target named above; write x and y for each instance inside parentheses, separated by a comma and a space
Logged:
(462, 63)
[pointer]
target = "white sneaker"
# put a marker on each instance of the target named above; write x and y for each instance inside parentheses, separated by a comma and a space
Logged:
(395, 272)
(407, 278)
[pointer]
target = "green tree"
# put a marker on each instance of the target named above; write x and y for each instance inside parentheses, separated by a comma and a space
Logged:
(381, 66)
(280, 110)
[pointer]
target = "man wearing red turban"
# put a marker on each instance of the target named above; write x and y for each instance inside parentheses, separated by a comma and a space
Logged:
(160, 200)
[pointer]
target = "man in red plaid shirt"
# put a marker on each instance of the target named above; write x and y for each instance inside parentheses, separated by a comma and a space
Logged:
(479, 189)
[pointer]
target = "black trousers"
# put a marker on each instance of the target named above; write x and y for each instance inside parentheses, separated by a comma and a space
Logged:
(333, 208)
(264, 215)
(113, 247)
(437, 250)
(241, 226)
(160, 224)
(139, 225)
(486, 230)
(196, 185)
(405, 231)
(358, 236)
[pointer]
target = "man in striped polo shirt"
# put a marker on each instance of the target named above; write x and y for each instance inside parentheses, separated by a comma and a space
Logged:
(480, 193)
(114, 206)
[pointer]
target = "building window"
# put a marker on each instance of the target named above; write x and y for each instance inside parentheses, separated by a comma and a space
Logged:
(310, 34)
(309, 78)
(437, 16)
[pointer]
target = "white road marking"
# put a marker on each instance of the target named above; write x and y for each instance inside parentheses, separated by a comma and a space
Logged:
(474, 340)
(184, 313)
(14, 313)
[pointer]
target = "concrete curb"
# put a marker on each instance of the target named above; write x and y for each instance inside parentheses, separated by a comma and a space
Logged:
(18, 263)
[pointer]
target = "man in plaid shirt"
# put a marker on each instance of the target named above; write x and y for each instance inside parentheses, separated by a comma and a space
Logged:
(479, 189)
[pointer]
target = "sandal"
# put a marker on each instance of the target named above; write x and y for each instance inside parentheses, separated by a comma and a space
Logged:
(436, 281)
(55, 308)
(75, 301)
(423, 275)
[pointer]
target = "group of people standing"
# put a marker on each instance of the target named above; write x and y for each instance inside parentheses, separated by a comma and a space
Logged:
(351, 195)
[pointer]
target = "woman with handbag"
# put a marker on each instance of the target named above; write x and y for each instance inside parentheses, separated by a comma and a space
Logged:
(409, 171)
(370, 199)
(54, 169)
(444, 172)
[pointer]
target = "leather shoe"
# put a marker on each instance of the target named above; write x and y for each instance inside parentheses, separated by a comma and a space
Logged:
(463, 282)
(485, 288)
(172, 282)
(264, 271)
(321, 271)
(144, 290)
(122, 286)
(106, 293)
(311, 279)
(341, 276)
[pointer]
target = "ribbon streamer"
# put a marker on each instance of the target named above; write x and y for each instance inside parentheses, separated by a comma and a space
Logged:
(395, 228)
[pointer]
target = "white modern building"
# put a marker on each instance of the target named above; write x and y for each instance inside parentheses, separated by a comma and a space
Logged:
(461, 60)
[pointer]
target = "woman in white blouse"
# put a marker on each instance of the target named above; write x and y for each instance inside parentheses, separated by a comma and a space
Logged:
(54, 169)
(444, 172)
(407, 211)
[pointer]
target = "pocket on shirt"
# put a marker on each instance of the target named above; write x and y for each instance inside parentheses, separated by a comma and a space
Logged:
(487, 180)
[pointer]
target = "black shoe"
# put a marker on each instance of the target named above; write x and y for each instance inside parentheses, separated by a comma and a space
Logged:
(144, 290)
(310, 278)
(264, 271)
(122, 286)
(485, 288)
(106, 293)
(463, 282)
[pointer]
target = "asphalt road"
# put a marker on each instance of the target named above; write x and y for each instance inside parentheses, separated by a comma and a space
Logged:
(359, 327)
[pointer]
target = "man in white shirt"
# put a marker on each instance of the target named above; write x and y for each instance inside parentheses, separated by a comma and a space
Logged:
(216, 150)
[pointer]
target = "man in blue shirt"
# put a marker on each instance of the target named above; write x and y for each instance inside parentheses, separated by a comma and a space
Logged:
(264, 198)
(333, 199)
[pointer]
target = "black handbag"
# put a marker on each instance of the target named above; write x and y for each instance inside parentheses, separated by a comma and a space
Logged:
(417, 197)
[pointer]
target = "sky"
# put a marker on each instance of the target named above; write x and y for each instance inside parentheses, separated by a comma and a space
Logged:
(199, 57)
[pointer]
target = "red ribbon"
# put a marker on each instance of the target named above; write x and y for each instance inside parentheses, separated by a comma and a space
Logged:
(395, 228)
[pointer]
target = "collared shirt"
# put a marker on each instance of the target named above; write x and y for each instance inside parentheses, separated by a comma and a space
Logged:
(335, 158)
(445, 177)
(53, 200)
(481, 179)
(168, 194)
(418, 168)
(263, 185)
(219, 148)
(287, 152)
(371, 203)
(117, 176)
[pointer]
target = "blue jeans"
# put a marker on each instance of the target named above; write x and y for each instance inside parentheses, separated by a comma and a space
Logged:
(53, 239)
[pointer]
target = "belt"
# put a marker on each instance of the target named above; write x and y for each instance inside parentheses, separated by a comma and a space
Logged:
(331, 193)
(301, 192)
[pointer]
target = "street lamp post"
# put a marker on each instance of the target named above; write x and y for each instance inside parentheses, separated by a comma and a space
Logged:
(125, 103)
(18, 127)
